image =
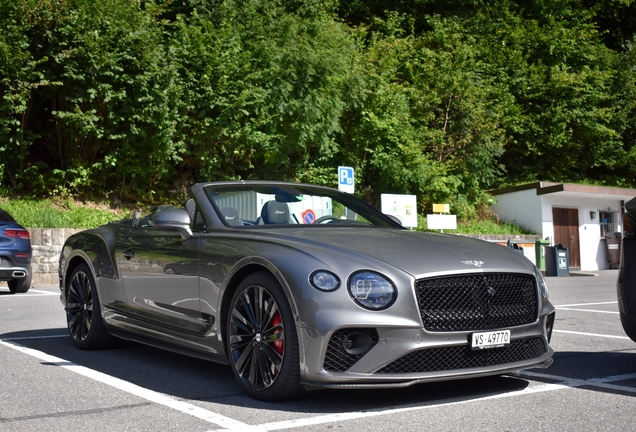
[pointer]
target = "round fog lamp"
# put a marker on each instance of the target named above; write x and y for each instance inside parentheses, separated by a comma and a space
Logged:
(357, 343)
(324, 280)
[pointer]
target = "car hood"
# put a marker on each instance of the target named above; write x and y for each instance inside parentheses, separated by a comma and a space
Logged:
(416, 253)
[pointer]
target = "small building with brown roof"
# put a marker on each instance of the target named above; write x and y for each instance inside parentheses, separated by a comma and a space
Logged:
(582, 218)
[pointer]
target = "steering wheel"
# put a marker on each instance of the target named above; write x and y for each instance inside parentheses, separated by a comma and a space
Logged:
(327, 219)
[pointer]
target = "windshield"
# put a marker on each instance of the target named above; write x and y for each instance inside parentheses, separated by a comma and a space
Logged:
(257, 204)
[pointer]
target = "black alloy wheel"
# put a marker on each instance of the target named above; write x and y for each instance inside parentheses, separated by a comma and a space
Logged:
(262, 343)
(83, 314)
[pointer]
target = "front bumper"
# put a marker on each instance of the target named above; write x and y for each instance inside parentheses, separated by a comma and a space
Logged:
(403, 357)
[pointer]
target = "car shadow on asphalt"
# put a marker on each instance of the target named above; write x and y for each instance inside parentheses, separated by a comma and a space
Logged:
(194, 379)
(607, 371)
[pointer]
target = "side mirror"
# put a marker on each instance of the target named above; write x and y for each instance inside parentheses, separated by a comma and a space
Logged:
(171, 218)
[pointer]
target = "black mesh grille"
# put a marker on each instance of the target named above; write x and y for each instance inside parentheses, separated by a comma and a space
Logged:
(462, 357)
(476, 302)
(339, 360)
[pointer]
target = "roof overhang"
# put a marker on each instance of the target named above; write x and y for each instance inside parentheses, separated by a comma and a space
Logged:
(571, 190)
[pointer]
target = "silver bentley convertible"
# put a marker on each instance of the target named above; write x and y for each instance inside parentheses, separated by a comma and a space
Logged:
(298, 287)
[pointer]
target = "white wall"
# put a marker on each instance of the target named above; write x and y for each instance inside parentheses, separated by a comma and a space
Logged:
(593, 248)
(534, 213)
(522, 208)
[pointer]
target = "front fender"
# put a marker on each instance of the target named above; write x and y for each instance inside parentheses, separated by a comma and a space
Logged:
(95, 248)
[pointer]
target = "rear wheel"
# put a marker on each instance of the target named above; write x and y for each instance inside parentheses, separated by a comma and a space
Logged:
(262, 340)
(83, 312)
(20, 285)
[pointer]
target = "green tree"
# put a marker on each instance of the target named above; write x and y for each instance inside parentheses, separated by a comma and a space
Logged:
(18, 79)
(625, 116)
(430, 120)
(550, 58)
(106, 119)
(440, 99)
(263, 88)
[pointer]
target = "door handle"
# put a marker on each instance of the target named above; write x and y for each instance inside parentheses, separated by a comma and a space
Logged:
(129, 254)
(572, 240)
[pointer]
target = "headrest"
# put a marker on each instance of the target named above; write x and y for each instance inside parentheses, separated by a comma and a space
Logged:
(190, 207)
(275, 212)
(231, 216)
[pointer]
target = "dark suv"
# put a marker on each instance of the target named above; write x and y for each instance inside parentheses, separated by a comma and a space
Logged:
(626, 285)
(15, 254)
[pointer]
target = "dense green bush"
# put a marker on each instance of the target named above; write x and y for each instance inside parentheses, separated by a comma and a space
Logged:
(134, 100)
(57, 214)
(51, 213)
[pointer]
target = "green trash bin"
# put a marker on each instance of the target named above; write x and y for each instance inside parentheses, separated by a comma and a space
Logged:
(539, 253)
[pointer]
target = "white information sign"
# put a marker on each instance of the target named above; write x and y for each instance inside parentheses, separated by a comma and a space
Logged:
(403, 207)
(441, 221)
(345, 179)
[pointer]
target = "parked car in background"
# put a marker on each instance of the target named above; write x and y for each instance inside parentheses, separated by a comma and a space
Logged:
(15, 254)
(626, 283)
(298, 287)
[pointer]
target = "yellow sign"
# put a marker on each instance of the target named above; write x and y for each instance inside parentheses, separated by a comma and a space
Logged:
(441, 208)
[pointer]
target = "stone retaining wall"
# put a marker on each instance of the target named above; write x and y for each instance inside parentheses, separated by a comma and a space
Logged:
(47, 245)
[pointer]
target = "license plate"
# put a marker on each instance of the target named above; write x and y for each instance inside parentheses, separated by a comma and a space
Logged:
(492, 339)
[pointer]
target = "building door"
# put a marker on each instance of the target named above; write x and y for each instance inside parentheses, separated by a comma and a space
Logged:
(566, 232)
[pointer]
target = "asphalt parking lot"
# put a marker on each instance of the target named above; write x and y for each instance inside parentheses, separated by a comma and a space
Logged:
(47, 384)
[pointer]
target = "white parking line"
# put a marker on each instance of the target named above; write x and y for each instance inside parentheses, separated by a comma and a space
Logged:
(590, 334)
(150, 395)
(35, 337)
(596, 382)
(55, 293)
(330, 418)
(586, 304)
(587, 310)
(32, 293)
(229, 424)
(563, 383)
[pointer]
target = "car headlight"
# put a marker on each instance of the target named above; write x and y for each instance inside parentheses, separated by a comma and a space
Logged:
(324, 280)
(541, 281)
(371, 290)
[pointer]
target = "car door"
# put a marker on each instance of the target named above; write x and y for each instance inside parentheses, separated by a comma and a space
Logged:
(160, 275)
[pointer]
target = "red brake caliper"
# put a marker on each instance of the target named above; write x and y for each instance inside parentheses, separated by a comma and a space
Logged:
(279, 344)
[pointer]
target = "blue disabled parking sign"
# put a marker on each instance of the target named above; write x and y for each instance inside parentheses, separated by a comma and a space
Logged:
(345, 179)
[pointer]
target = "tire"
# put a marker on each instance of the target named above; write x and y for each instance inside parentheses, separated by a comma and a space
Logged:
(20, 285)
(629, 326)
(261, 340)
(83, 311)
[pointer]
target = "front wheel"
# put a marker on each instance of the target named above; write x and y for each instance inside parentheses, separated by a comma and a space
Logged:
(262, 340)
(83, 312)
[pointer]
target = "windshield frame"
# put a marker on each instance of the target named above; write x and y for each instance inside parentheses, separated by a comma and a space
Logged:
(290, 193)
